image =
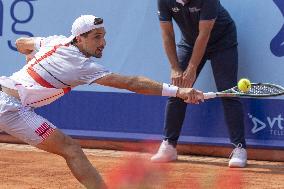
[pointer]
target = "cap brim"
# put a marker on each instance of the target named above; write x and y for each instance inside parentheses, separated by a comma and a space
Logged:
(69, 39)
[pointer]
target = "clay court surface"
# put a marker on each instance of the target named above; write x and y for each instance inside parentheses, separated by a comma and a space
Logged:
(24, 167)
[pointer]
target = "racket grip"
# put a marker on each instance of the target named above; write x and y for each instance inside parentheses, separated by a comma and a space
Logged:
(209, 95)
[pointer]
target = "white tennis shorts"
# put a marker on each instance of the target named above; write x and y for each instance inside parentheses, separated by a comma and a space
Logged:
(22, 122)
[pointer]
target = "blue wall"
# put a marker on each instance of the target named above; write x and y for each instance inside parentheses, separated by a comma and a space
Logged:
(134, 47)
(129, 116)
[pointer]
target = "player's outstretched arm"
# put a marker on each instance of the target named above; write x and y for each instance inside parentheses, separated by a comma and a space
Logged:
(146, 86)
(25, 45)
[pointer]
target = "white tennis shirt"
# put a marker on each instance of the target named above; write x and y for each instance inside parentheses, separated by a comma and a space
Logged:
(56, 68)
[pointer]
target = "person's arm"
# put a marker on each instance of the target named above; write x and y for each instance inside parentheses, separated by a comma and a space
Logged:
(168, 36)
(146, 86)
(29, 46)
(25, 45)
(205, 28)
(208, 15)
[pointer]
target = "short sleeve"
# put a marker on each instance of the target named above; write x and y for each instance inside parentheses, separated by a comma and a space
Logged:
(46, 41)
(164, 12)
(91, 71)
(38, 41)
(209, 9)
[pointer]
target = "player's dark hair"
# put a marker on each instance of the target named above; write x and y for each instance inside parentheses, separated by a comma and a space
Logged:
(74, 41)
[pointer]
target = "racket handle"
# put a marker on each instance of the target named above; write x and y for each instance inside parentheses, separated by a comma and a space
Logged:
(209, 95)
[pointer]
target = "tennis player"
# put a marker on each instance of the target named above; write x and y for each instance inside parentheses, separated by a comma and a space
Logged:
(56, 65)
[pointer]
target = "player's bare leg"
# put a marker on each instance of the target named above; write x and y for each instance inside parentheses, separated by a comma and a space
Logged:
(63, 145)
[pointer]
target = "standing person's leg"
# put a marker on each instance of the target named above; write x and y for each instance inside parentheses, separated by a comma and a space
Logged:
(33, 129)
(176, 108)
(174, 117)
(225, 70)
(174, 114)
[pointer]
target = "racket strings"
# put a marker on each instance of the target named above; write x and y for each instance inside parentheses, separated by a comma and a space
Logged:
(264, 90)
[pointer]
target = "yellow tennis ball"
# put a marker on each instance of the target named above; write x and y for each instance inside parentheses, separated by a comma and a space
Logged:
(244, 85)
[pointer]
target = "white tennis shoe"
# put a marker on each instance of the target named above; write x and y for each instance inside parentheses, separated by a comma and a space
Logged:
(166, 153)
(238, 157)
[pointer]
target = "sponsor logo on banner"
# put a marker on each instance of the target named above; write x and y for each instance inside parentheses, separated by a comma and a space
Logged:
(273, 125)
(277, 43)
(13, 7)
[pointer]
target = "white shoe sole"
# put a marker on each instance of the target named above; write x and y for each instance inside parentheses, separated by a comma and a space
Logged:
(236, 165)
(161, 160)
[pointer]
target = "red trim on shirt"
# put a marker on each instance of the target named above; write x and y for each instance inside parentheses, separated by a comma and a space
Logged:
(46, 55)
(40, 80)
(66, 90)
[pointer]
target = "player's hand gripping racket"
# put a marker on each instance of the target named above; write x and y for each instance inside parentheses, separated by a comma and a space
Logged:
(256, 90)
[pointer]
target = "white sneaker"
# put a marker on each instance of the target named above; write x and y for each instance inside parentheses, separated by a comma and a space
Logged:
(166, 153)
(238, 157)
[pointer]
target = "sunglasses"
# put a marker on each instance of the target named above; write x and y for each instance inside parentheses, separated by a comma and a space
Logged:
(98, 21)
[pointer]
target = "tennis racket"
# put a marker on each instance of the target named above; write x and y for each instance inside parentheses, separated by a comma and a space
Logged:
(256, 90)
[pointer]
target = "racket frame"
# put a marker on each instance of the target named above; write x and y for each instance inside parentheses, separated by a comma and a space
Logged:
(233, 92)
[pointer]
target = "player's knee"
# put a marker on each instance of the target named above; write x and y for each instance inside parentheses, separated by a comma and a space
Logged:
(72, 150)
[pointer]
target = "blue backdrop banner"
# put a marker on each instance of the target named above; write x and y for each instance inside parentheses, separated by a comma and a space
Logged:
(134, 47)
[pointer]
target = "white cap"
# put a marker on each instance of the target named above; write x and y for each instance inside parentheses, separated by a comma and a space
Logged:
(84, 24)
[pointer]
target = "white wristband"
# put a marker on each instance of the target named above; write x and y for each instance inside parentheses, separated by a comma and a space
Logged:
(169, 90)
